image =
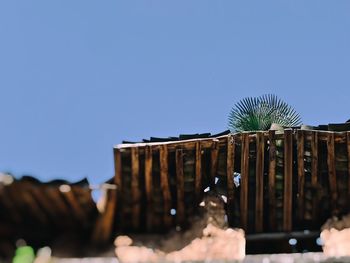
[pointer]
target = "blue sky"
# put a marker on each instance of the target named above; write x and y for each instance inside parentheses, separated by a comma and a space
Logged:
(77, 77)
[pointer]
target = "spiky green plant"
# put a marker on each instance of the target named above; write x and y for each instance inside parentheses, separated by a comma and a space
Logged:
(258, 113)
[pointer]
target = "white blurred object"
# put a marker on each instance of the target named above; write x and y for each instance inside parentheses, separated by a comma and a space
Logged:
(237, 179)
(43, 255)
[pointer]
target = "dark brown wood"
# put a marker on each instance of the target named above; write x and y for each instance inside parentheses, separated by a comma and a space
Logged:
(332, 172)
(348, 149)
(118, 181)
(198, 179)
(135, 188)
(214, 162)
(76, 210)
(180, 183)
(103, 229)
(314, 173)
(118, 168)
(272, 180)
(301, 173)
(229, 174)
(149, 186)
(259, 173)
(164, 184)
(244, 181)
(314, 164)
(288, 180)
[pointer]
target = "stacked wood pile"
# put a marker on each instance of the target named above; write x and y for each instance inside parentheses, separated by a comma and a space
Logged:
(38, 212)
(290, 180)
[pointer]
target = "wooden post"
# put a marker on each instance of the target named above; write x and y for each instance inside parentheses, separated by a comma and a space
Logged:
(259, 195)
(214, 162)
(332, 172)
(135, 188)
(198, 178)
(164, 184)
(180, 214)
(229, 174)
(314, 173)
(288, 180)
(118, 181)
(272, 180)
(149, 186)
(301, 173)
(244, 180)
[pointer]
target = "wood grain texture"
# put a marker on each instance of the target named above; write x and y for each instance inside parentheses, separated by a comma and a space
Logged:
(149, 186)
(229, 175)
(301, 173)
(180, 183)
(244, 181)
(259, 173)
(288, 180)
(135, 187)
(164, 184)
(314, 164)
(272, 180)
(314, 173)
(332, 172)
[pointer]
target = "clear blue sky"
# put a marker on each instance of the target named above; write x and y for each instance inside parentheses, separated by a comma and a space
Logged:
(77, 77)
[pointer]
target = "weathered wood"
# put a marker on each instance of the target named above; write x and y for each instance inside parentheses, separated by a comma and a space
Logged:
(164, 184)
(118, 208)
(149, 186)
(214, 162)
(314, 150)
(314, 173)
(180, 184)
(301, 173)
(348, 149)
(332, 172)
(229, 174)
(272, 180)
(198, 178)
(244, 181)
(135, 188)
(259, 195)
(76, 209)
(288, 180)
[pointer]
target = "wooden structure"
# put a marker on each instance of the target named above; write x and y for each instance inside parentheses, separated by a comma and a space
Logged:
(290, 180)
(39, 212)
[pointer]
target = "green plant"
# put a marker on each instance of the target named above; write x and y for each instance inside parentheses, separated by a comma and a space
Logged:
(258, 113)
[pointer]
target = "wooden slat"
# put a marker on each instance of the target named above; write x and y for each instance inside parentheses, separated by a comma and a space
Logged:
(135, 188)
(198, 179)
(76, 209)
(117, 197)
(180, 183)
(301, 173)
(272, 180)
(214, 162)
(314, 173)
(149, 186)
(244, 181)
(229, 174)
(259, 195)
(288, 183)
(348, 148)
(332, 172)
(314, 164)
(164, 184)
